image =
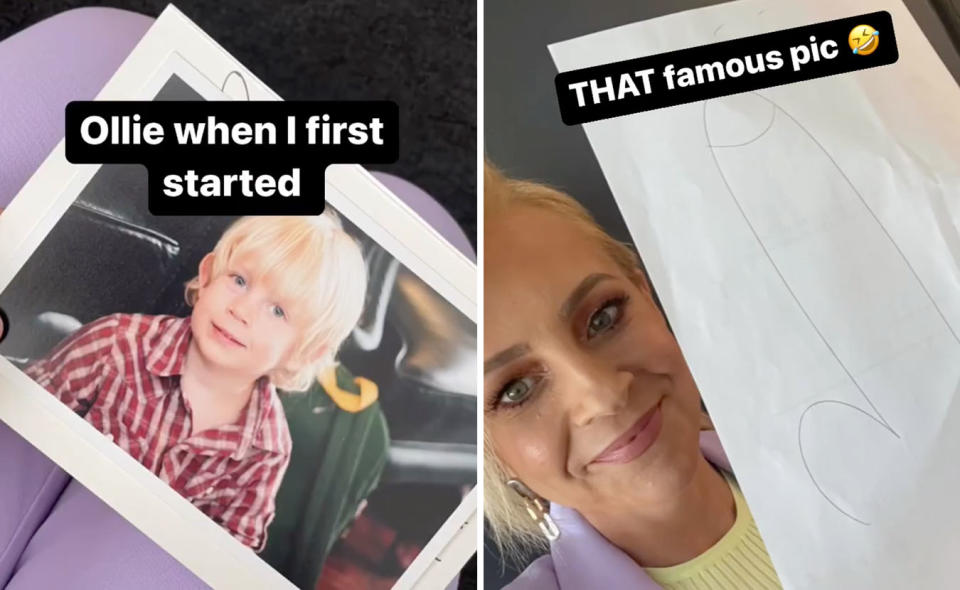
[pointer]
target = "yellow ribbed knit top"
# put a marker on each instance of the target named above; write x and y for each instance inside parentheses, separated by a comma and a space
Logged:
(738, 561)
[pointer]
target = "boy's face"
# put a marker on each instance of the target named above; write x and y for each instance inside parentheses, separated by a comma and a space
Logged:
(238, 322)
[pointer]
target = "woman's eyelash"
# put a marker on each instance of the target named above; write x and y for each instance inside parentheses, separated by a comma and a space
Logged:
(497, 402)
(619, 303)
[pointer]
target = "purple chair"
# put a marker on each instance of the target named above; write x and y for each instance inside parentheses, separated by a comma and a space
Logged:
(54, 532)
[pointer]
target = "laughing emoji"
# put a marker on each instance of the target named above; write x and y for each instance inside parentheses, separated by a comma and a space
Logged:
(864, 39)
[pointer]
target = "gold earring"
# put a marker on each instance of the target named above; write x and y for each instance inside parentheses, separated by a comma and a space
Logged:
(537, 509)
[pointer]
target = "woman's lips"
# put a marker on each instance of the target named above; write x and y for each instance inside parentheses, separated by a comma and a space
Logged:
(227, 336)
(635, 441)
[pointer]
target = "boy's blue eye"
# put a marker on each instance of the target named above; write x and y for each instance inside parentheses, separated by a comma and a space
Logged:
(239, 281)
(278, 311)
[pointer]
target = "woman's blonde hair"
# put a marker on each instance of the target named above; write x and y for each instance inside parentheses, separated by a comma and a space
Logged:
(512, 530)
(311, 261)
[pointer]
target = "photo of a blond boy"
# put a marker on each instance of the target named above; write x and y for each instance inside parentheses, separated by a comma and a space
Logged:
(194, 399)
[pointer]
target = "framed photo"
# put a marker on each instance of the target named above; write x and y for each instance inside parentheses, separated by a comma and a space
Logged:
(374, 464)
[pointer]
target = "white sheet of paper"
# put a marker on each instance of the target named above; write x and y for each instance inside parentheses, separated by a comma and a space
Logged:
(804, 241)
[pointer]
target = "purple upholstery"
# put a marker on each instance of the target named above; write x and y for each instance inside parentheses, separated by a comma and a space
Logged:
(54, 533)
(429, 210)
(66, 57)
(30, 486)
(84, 543)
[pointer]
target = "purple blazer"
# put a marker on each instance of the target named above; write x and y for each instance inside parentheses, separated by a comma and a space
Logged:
(583, 558)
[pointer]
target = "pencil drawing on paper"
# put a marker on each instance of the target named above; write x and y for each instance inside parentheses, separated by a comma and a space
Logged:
(829, 228)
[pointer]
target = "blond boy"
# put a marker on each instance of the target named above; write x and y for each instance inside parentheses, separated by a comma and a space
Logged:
(194, 399)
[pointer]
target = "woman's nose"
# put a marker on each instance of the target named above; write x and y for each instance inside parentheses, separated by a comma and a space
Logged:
(596, 390)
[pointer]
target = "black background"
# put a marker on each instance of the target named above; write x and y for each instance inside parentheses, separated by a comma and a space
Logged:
(421, 54)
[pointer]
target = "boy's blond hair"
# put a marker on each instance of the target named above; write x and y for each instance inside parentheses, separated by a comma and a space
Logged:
(308, 260)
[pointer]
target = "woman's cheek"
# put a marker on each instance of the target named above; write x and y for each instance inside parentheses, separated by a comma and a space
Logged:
(661, 350)
(534, 452)
(537, 453)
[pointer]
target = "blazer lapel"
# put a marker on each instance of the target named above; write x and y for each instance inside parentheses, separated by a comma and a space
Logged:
(583, 558)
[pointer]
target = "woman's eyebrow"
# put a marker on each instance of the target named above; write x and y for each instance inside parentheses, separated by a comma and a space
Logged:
(581, 291)
(505, 356)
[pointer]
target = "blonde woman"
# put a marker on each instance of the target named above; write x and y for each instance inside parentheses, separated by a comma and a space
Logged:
(593, 439)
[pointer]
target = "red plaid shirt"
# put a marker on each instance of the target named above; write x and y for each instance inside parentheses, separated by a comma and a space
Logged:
(124, 372)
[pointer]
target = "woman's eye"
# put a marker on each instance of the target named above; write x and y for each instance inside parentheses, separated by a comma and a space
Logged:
(603, 319)
(278, 311)
(517, 391)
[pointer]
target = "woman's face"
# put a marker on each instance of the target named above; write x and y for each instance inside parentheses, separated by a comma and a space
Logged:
(588, 398)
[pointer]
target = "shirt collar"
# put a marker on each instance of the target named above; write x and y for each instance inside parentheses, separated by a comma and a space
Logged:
(262, 424)
(583, 558)
(167, 349)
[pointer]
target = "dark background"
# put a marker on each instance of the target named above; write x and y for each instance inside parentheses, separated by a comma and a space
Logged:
(523, 133)
(422, 54)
